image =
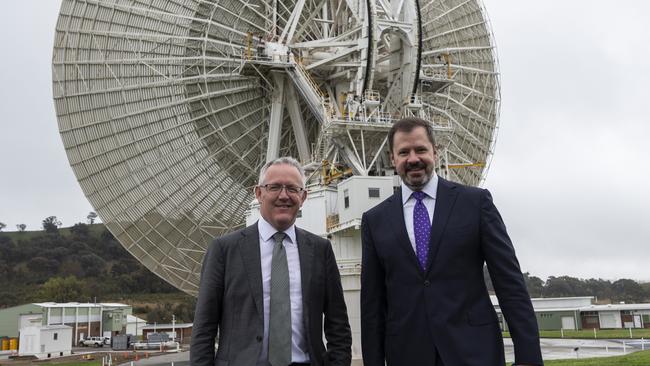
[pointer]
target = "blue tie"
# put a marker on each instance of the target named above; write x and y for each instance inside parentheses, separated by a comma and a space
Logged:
(422, 228)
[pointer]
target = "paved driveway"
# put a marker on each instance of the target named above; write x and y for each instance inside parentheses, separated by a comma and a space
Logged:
(552, 349)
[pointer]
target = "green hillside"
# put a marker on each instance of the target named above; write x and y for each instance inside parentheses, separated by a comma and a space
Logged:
(82, 263)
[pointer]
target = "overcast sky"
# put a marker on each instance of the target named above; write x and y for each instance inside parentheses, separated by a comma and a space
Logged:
(570, 173)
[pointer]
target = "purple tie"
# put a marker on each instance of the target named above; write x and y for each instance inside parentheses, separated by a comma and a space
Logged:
(422, 228)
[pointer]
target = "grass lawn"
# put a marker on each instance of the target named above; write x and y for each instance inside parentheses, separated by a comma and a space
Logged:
(641, 358)
(589, 334)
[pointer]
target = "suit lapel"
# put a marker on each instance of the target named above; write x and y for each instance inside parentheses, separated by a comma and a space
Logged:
(250, 252)
(400, 233)
(306, 255)
(445, 199)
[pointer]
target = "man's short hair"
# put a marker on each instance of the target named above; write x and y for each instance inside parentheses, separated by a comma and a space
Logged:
(407, 125)
(283, 160)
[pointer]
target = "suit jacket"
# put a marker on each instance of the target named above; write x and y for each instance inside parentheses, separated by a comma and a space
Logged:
(411, 316)
(230, 302)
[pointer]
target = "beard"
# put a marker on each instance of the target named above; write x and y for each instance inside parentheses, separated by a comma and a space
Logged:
(417, 182)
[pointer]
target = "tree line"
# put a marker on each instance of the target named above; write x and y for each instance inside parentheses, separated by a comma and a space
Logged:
(605, 291)
(50, 224)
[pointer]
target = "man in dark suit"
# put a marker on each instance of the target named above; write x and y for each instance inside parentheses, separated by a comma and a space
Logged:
(268, 289)
(423, 295)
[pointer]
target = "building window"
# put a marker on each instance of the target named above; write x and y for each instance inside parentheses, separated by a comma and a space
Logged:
(373, 192)
(299, 213)
(56, 336)
(346, 198)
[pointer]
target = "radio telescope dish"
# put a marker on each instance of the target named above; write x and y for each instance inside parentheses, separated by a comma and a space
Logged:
(168, 108)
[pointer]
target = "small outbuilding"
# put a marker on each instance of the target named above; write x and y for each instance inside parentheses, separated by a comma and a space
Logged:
(45, 341)
(616, 316)
(553, 313)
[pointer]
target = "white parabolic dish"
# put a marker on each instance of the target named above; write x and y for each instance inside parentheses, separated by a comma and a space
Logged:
(168, 108)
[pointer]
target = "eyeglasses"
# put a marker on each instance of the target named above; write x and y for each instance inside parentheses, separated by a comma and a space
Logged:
(276, 188)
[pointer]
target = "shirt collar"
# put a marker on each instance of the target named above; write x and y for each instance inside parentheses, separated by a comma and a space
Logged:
(430, 189)
(267, 231)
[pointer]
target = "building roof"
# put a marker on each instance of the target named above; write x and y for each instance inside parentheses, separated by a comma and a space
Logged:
(495, 300)
(134, 319)
(168, 326)
(608, 307)
(50, 327)
(80, 305)
(563, 298)
(54, 327)
(548, 310)
(616, 307)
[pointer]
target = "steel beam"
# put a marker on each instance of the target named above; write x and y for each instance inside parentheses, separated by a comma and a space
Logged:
(290, 27)
(298, 124)
(275, 118)
(333, 58)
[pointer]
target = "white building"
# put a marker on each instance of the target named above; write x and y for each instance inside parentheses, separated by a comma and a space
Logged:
(134, 325)
(45, 341)
(86, 319)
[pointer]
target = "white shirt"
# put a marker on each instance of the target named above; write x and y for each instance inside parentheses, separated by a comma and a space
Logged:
(409, 204)
(299, 349)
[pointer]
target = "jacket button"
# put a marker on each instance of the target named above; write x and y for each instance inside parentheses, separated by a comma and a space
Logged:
(426, 283)
(259, 338)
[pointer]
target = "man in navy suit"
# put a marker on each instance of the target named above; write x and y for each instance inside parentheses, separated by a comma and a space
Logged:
(423, 295)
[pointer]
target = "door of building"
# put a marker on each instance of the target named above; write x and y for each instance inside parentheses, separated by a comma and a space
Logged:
(568, 323)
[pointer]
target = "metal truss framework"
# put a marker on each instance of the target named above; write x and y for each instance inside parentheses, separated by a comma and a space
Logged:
(168, 108)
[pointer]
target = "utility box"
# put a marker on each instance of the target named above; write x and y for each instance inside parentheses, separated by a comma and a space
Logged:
(122, 342)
